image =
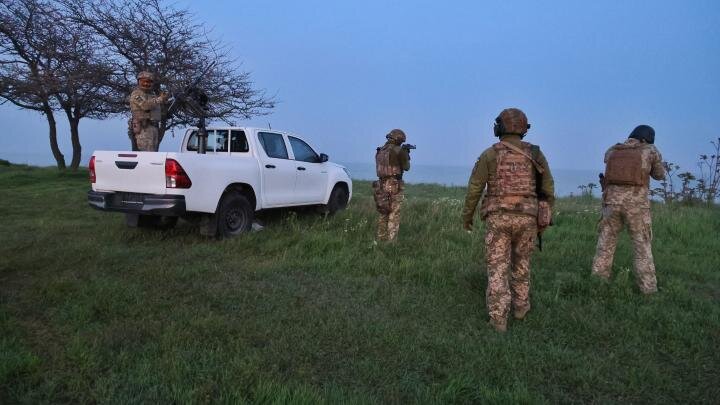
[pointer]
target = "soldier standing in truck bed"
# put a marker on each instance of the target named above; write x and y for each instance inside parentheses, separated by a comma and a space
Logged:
(146, 110)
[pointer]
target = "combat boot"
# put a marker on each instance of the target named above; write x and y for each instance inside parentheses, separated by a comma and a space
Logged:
(499, 326)
(520, 313)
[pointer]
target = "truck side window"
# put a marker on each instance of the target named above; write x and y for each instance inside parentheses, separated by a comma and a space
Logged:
(273, 144)
(238, 142)
(221, 140)
(302, 151)
(193, 145)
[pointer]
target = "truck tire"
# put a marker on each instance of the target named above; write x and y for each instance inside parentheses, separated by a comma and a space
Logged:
(338, 200)
(234, 216)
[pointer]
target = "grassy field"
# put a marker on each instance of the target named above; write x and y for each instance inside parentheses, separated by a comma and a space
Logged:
(308, 310)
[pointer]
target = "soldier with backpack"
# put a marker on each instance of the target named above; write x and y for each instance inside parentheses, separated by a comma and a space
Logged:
(391, 160)
(628, 168)
(516, 207)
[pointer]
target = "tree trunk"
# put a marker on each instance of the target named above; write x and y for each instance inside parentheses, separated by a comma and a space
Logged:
(57, 154)
(75, 139)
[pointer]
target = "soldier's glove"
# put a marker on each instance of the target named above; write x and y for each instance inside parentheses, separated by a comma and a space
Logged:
(468, 225)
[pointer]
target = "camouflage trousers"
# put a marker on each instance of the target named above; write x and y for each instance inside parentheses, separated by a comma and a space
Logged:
(640, 227)
(509, 242)
(389, 198)
(146, 136)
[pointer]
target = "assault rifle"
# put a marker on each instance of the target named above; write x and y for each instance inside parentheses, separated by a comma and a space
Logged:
(408, 146)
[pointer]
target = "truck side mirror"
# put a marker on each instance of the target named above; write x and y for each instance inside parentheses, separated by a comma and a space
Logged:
(323, 158)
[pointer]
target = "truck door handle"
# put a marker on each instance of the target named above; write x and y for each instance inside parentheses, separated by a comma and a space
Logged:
(301, 168)
(125, 165)
(269, 166)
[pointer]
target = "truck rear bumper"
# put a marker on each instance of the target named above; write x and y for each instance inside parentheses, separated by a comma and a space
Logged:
(135, 203)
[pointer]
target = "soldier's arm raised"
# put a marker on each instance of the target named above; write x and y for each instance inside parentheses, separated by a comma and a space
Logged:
(658, 170)
(404, 158)
(138, 101)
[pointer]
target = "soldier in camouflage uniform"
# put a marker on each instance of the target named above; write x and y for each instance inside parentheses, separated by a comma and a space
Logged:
(518, 181)
(146, 109)
(391, 160)
(628, 167)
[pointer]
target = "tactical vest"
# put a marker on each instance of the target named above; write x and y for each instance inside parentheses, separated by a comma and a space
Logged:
(384, 165)
(513, 186)
(154, 114)
(624, 166)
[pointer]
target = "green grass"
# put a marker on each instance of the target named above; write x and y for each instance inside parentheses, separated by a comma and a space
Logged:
(310, 311)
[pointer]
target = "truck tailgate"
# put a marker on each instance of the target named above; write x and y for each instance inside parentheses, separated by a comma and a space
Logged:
(136, 172)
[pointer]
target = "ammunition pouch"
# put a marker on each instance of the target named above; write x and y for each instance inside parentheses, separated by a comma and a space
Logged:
(544, 215)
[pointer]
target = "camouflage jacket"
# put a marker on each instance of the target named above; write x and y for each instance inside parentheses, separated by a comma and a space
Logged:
(635, 195)
(486, 166)
(145, 105)
(398, 156)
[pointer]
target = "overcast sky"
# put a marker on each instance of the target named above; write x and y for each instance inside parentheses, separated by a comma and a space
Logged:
(345, 73)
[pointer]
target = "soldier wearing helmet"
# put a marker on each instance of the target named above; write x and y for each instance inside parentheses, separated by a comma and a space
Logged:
(391, 160)
(625, 183)
(146, 110)
(516, 208)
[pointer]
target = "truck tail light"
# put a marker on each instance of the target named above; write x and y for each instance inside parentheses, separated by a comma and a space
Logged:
(91, 168)
(175, 176)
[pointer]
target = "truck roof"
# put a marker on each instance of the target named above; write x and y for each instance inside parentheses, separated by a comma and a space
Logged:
(215, 127)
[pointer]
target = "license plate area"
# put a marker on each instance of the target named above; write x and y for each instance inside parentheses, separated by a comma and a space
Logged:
(129, 199)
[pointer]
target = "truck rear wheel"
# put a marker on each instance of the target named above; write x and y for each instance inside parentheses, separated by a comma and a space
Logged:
(234, 216)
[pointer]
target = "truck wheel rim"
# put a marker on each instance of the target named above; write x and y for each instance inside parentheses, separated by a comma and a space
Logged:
(234, 219)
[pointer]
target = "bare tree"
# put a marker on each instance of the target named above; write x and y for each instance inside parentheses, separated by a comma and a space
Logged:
(27, 36)
(82, 87)
(81, 57)
(150, 35)
(50, 63)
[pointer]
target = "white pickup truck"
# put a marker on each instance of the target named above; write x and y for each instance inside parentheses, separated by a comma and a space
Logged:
(243, 170)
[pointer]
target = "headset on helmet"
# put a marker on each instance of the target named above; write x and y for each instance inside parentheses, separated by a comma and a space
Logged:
(511, 121)
(643, 133)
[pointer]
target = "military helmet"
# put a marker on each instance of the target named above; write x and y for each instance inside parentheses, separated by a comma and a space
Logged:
(643, 133)
(146, 75)
(511, 121)
(396, 135)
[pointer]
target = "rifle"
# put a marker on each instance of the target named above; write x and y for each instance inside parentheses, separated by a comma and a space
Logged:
(408, 146)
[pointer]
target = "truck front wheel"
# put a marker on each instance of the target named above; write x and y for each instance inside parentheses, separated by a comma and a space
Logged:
(338, 200)
(235, 215)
